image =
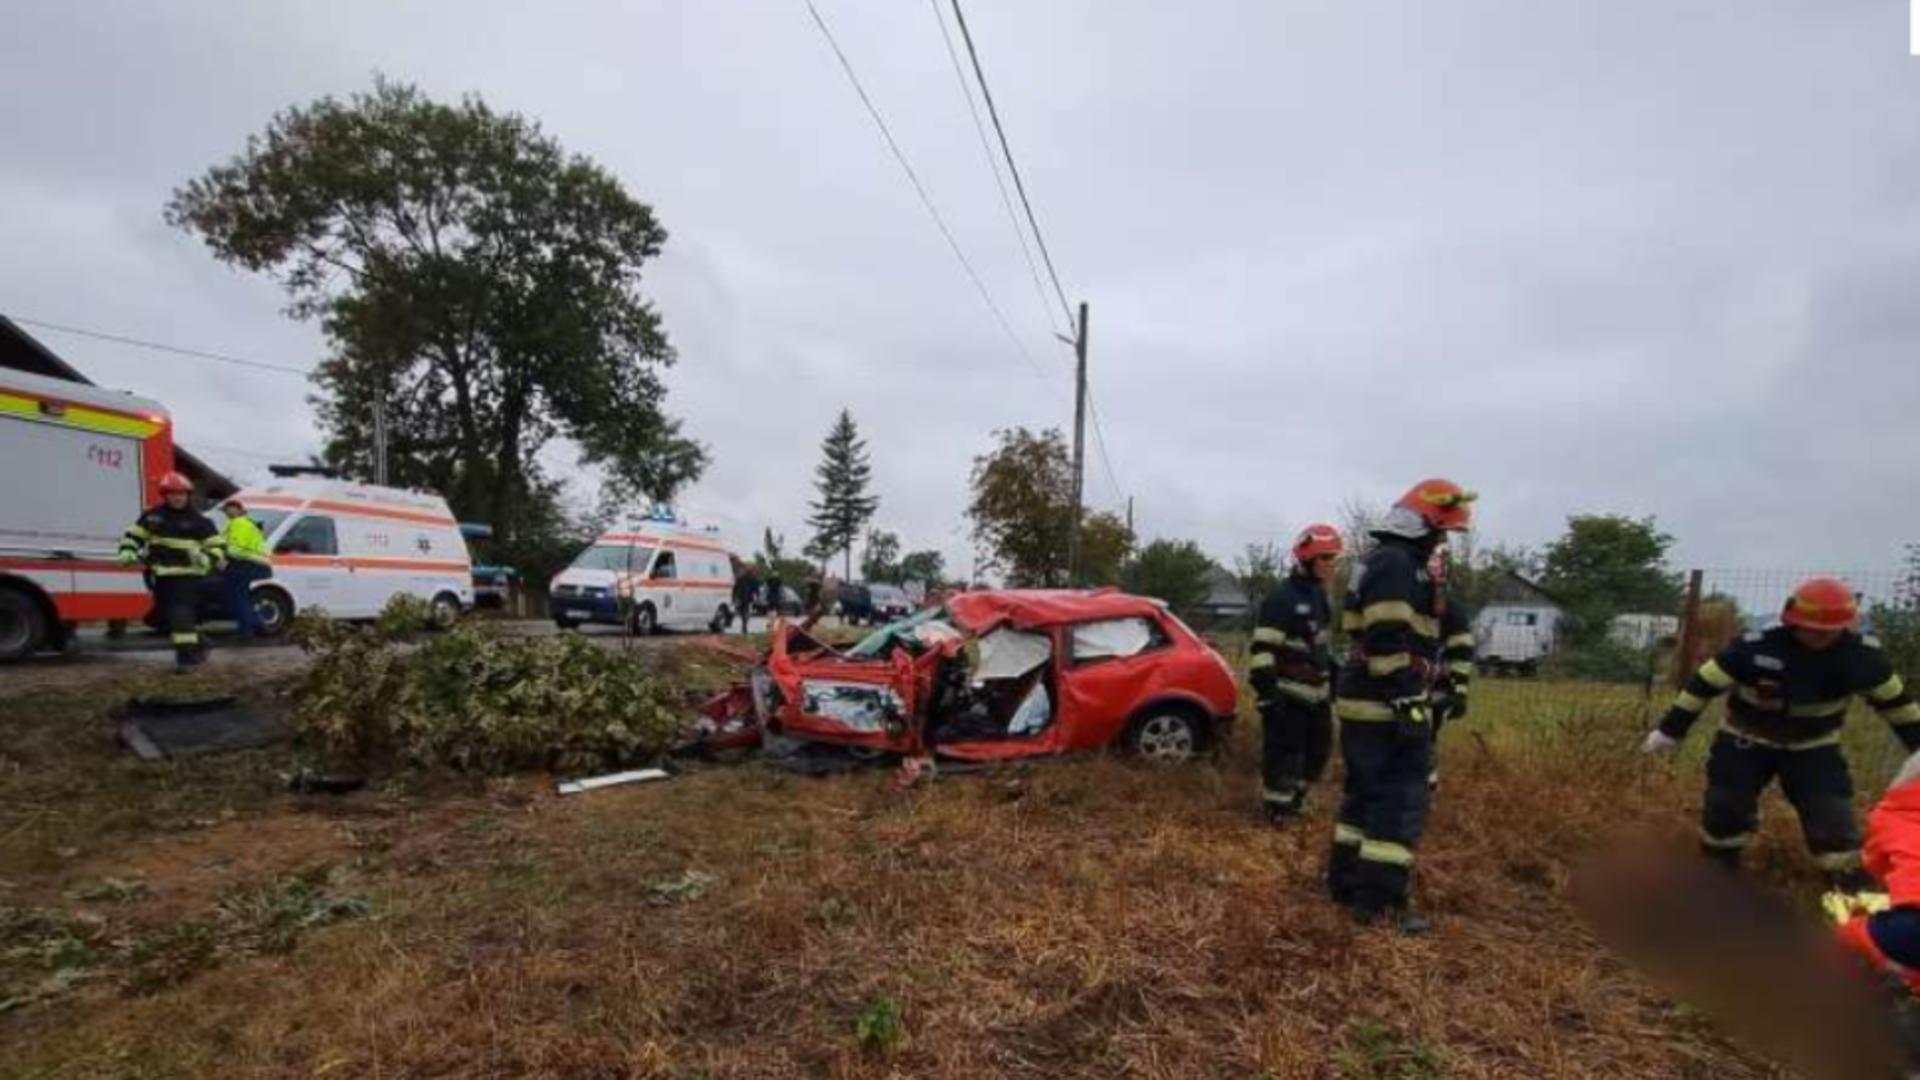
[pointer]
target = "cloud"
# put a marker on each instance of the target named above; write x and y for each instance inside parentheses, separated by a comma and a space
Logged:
(1612, 257)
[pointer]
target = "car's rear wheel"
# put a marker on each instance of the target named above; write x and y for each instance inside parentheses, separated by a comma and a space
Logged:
(722, 619)
(445, 611)
(1166, 734)
(565, 623)
(272, 610)
(23, 627)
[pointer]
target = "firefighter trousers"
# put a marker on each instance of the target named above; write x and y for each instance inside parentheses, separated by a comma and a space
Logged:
(1382, 815)
(1296, 739)
(1815, 780)
(178, 599)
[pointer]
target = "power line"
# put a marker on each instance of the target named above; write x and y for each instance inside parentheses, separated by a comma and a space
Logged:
(1013, 168)
(1100, 442)
(158, 347)
(920, 189)
(993, 163)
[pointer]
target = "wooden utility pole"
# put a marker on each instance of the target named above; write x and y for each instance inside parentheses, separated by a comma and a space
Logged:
(1079, 445)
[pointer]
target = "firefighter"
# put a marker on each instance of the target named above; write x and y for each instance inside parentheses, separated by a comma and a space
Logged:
(1792, 686)
(1455, 673)
(1291, 671)
(1386, 708)
(247, 562)
(180, 548)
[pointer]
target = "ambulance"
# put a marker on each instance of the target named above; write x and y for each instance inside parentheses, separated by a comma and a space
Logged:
(659, 575)
(77, 466)
(345, 549)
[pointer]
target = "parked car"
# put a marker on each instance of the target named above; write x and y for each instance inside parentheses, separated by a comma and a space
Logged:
(890, 602)
(790, 604)
(1006, 674)
(855, 605)
(660, 576)
(346, 549)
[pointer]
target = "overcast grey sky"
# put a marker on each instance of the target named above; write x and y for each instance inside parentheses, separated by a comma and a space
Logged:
(1626, 256)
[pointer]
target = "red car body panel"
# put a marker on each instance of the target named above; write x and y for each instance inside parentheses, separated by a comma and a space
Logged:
(1093, 701)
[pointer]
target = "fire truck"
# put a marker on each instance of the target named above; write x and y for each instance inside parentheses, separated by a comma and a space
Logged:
(77, 466)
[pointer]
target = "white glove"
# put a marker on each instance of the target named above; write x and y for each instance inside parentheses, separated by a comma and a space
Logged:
(1659, 742)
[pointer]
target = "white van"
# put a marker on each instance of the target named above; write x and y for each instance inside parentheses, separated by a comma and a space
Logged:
(346, 549)
(659, 576)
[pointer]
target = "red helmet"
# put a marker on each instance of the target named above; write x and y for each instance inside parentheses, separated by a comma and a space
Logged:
(1315, 541)
(175, 481)
(1822, 603)
(1442, 504)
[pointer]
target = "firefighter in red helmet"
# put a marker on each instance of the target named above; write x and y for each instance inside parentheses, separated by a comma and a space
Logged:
(1291, 671)
(180, 548)
(1392, 617)
(1791, 688)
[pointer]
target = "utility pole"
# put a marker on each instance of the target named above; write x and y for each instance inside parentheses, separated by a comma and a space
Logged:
(1079, 444)
(1129, 515)
(380, 441)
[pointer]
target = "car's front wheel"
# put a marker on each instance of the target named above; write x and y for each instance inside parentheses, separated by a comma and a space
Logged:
(643, 622)
(1165, 734)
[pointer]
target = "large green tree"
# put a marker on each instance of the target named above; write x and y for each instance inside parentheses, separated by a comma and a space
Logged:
(926, 567)
(1022, 510)
(1176, 571)
(1259, 569)
(844, 505)
(881, 559)
(1607, 564)
(472, 278)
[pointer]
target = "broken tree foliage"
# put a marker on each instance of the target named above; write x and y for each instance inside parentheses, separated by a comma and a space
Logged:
(474, 701)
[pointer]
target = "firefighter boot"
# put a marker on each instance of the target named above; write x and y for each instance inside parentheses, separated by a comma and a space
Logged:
(1401, 918)
(1283, 804)
(1342, 863)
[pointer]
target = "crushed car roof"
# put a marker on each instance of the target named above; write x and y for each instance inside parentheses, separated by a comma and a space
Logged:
(979, 612)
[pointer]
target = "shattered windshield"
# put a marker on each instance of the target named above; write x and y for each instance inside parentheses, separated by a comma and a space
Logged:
(910, 630)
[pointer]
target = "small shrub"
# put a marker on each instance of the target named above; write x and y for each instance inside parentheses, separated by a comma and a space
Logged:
(474, 701)
(1375, 1051)
(881, 1028)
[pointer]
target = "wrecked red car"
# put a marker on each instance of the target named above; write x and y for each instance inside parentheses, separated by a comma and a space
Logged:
(989, 676)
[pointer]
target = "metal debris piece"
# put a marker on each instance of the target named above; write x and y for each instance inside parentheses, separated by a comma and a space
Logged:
(632, 776)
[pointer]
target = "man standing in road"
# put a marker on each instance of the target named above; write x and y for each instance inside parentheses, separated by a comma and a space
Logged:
(180, 547)
(247, 562)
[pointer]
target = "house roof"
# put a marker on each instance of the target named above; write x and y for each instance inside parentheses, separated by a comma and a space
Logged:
(21, 351)
(1511, 588)
(1225, 591)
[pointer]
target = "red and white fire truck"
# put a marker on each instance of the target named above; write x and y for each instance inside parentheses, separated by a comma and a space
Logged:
(77, 466)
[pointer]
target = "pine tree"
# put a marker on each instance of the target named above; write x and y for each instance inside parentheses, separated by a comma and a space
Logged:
(844, 506)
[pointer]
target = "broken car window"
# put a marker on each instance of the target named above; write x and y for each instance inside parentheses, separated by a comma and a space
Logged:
(1009, 654)
(920, 629)
(1112, 637)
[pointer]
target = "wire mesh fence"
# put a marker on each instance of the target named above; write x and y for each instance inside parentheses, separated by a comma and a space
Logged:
(1544, 667)
(1547, 666)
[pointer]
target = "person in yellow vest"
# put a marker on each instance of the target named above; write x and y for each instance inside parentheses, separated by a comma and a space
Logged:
(247, 562)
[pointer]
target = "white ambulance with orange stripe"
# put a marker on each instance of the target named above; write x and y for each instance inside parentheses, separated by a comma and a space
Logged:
(659, 575)
(77, 465)
(346, 549)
